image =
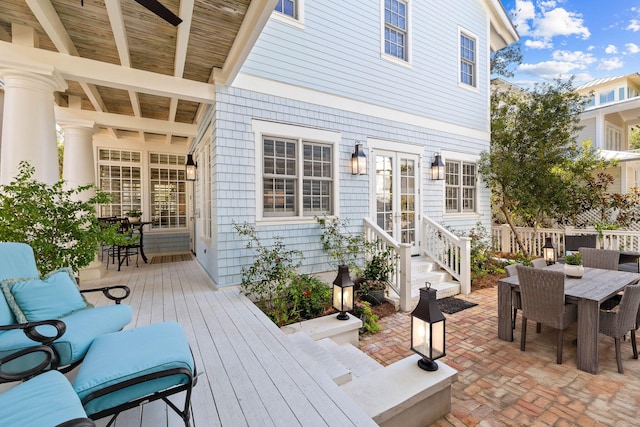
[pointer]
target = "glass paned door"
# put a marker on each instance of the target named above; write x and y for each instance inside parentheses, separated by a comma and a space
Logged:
(396, 197)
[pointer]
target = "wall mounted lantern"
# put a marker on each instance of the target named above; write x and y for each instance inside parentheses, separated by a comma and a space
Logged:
(343, 292)
(549, 251)
(358, 161)
(437, 168)
(190, 168)
(427, 329)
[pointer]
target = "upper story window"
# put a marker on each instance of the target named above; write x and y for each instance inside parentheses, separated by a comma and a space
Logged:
(621, 92)
(395, 28)
(468, 60)
(460, 186)
(287, 7)
(607, 97)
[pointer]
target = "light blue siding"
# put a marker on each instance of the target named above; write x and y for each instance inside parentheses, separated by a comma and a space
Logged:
(339, 52)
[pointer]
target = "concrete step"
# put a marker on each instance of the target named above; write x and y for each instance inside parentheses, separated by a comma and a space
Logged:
(445, 289)
(419, 279)
(423, 264)
(323, 358)
(356, 361)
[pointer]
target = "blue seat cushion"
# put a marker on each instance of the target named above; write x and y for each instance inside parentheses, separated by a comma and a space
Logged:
(82, 328)
(45, 400)
(121, 356)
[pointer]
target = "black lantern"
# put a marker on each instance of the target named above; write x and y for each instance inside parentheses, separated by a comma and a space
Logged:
(190, 168)
(427, 329)
(437, 168)
(358, 161)
(549, 252)
(343, 292)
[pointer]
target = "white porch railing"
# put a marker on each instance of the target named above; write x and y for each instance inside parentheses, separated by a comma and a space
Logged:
(451, 252)
(400, 282)
(504, 240)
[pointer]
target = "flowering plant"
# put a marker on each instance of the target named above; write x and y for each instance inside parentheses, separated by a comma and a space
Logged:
(574, 259)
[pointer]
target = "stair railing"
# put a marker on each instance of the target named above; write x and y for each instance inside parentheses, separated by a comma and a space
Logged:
(451, 252)
(400, 282)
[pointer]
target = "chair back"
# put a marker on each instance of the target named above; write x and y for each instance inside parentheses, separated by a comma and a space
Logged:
(511, 270)
(542, 293)
(16, 262)
(573, 243)
(628, 310)
(538, 263)
(600, 258)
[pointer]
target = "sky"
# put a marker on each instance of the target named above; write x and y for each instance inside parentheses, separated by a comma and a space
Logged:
(590, 39)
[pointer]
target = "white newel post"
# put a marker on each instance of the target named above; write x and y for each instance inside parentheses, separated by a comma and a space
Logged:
(29, 127)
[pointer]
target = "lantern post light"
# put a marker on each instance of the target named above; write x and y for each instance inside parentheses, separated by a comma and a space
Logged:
(428, 329)
(549, 251)
(343, 292)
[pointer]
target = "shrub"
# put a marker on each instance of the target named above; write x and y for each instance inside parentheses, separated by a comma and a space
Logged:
(308, 296)
(362, 310)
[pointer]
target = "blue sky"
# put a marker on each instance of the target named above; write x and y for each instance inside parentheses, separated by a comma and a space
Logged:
(586, 38)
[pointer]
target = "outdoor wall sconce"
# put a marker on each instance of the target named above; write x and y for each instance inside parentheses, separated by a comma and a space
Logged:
(358, 161)
(549, 251)
(343, 292)
(190, 168)
(427, 329)
(437, 168)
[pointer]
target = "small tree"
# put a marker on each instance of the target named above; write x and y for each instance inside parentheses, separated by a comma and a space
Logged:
(63, 231)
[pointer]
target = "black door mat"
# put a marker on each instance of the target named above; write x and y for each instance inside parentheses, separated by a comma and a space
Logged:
(452, 305)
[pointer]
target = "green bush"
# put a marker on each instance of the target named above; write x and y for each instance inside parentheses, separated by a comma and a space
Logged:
(309, 297)
(362, 310)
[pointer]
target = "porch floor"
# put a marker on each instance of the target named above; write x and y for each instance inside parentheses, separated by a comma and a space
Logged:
(251, 374)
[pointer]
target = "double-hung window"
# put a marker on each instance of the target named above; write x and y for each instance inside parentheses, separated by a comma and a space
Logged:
(468, 60)
(287, 7)
(395, 28)
(297, 177)
(460, 186)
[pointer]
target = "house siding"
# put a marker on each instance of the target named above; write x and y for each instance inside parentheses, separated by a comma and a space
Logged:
(235, 180)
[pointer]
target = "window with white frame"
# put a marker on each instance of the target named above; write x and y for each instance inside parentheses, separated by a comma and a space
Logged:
(287, 7)
(613, 140)
(297, 177)
(468, 48)
(120, 176)
(396, 28)
(607, 97)
(168, 190)
(460, 186)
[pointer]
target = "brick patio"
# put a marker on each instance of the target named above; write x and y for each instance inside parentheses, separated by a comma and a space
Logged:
(500, 385)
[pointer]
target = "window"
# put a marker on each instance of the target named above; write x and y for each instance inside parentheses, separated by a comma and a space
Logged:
(287, 7)
(460, 186)
(621, 92)
(168, 192)
(467, 60)
(613, 139)
(294, 167)
(395, 28)
(607, 97)
(119, 175)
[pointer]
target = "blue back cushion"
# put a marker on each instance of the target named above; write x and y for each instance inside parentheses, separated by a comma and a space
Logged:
(16, 262)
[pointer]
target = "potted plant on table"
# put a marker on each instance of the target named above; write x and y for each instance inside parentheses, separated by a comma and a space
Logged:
(134, 215)
(573, 265)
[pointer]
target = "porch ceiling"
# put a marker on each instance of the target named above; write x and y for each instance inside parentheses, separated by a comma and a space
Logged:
(118, 43)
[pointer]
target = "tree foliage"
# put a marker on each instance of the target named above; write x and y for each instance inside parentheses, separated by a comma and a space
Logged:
(535, 168)
(502, 60)
(634, 138)
(62, 230)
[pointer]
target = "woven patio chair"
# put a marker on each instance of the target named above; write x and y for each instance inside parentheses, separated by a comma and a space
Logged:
(617, 323)
(516, 302)
(538, 263)
(600, 258)
(542, 294)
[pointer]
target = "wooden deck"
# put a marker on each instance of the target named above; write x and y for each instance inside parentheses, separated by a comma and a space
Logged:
(251, 374)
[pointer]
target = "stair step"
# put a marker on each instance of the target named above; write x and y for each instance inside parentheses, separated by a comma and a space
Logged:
(323, 358)
(423, 265)
(445, 289)
(356, 361)
(432, 277)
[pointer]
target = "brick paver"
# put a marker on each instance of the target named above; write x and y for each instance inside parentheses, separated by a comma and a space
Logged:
(498, 385)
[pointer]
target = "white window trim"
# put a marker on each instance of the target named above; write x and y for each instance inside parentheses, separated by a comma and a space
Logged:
(286, 19)
(261, 128)
(468, 34)
(461, 157)
(160, 166)
(205, 215)
(394, 59)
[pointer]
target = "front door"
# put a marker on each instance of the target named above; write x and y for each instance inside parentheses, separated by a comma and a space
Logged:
(397, 195)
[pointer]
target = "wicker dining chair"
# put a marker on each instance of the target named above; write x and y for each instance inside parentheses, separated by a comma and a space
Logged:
(617, 323)
(538, 263)
(542, 294)
(606, 259)
(516, 302)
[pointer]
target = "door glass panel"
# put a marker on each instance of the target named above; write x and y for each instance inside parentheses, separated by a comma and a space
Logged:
(407, 201)
(384, 193)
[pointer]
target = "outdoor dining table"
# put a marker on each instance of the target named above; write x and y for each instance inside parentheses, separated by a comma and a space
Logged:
(595, 286)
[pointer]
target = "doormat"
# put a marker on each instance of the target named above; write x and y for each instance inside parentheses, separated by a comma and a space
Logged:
(452, 305)
(163, 259)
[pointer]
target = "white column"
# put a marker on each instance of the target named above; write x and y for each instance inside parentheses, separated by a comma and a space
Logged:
(600, 131)
(29, 127)
(78, 167)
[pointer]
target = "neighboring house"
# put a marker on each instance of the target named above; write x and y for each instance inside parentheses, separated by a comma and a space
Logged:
(406, 80)
(613, 110)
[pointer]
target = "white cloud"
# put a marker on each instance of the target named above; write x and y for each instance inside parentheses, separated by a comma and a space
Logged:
(538, 44)
(632, 48)
(548, 69)
(591, 47)
(634, 25)
(560, 22)
(524, 11)
(611, 49)
(578, 58)
(610, 64)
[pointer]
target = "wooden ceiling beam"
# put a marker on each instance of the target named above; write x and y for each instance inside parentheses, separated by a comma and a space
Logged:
(109, 75)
